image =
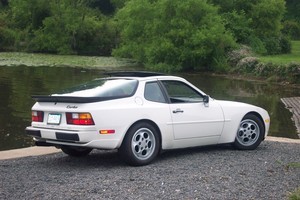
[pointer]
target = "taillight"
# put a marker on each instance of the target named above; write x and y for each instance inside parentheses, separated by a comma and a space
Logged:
(37, 116)
(79, 119)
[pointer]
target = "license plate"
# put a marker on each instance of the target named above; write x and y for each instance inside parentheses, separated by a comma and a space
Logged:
(54, 118)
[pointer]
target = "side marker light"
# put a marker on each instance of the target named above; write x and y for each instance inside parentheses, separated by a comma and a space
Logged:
(107, 131)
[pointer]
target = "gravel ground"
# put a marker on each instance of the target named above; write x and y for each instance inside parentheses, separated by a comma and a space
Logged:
(217, 172)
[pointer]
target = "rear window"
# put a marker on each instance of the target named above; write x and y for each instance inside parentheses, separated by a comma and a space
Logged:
(102, 88)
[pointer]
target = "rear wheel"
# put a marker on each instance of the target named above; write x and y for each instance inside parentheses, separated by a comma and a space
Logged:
(76, 151)
(250, 133)
(140, 145)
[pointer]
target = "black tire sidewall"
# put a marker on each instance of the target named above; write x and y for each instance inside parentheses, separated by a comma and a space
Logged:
(125, 151)
(240, 146)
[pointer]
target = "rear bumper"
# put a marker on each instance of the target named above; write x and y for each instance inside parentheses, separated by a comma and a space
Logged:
(90, 139)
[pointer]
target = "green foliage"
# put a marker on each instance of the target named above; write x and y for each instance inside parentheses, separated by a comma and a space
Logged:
(7, 39)
(165, 34)
(293, 7)
(72, 28)
(272, 71)
(238, 54)
(272, 45)
(257, 45)
(267, 16)
(7, 35)
(256, 23)
(64, 27)
(29, 13)
(284, 58)
(248, 64)
(239, 24)
(285, 45)
(244, 62)
(118, 4)
(183, 35)
(291, 28)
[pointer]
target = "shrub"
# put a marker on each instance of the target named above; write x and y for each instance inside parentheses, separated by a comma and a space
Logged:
(272, 45)
(293, 72)
(7, 39)
(236, 55)
(292, 29)
(74, 30)
(285, 45)
(247, 64)
(257, 45)
(265, 69)
(277, 45)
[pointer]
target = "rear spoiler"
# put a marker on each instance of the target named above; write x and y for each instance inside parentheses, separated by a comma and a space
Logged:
(70, 99)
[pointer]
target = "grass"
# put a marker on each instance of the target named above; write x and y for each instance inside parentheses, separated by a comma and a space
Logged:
(295, 195)
(35, 59)
(294, 56)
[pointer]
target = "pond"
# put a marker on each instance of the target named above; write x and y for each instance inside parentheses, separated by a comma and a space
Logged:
(17, 84)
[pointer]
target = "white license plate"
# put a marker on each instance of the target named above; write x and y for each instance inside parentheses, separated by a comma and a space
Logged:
(54, 118)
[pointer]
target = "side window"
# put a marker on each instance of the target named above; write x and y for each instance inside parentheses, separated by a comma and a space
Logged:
(154, 93)
(180, 92)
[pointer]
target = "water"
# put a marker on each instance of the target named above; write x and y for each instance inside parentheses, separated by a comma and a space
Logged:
(17, 84)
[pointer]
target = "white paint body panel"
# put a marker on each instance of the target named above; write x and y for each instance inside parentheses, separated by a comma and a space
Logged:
(199, 124)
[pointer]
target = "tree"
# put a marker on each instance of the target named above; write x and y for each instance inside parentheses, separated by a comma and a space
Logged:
(292, 19)
(73, 28)
(267, 16)
(29, 13)
(175, 34)
(257, 23)
(293, 8)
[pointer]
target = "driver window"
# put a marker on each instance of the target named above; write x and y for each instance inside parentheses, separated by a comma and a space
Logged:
(180, 92)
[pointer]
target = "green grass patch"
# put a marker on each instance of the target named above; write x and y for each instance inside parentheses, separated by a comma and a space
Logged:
(295, 195)
(294, 56)
(34, 59)
(289, 165)
(294, 164)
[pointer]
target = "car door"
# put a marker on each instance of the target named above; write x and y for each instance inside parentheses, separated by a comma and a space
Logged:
(191, 116)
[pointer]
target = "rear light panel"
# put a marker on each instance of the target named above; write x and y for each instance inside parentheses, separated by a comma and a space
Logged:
(37, 116)
(79, 119)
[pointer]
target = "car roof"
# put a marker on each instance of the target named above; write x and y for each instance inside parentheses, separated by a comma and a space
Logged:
(141, 75)
(133, 74)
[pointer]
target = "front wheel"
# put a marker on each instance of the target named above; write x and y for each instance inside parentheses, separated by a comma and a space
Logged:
(141, 145)
(250, 133)
(76, 151)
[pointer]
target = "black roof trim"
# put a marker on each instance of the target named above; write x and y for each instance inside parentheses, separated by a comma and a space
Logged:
(133, 73)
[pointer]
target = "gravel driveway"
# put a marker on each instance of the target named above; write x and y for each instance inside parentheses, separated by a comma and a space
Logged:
(217, 172)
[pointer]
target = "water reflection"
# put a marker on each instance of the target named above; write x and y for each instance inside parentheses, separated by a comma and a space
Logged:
(17, 84)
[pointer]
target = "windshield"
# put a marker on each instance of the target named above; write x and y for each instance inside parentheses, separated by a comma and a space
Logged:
(102, 88)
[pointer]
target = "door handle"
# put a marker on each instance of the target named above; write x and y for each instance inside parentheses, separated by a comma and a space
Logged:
(178, 110)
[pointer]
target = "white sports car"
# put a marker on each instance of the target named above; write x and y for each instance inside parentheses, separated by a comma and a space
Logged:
(141, 114)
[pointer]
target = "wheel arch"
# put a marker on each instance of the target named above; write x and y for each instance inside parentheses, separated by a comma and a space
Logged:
(149, 122)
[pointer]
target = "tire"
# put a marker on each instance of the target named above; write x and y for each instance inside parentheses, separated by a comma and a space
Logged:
(140, 145)
(76, 151)
(250, 133)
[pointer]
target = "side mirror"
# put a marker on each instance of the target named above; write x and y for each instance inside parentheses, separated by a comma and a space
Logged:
(205, 99)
